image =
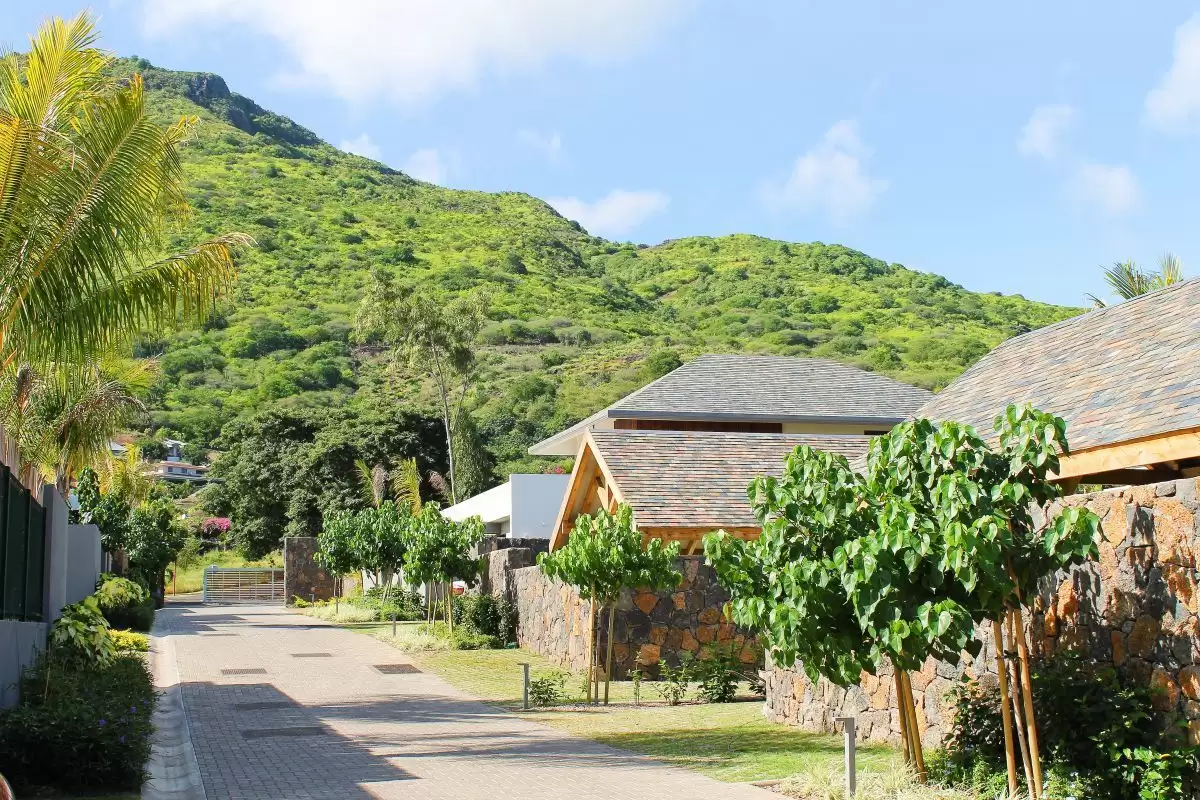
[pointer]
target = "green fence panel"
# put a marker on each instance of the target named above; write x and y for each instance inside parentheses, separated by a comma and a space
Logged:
(16, 517)
(3, 537)
(35, 563)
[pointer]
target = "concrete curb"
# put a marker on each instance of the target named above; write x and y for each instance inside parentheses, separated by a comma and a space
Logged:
(174, 773)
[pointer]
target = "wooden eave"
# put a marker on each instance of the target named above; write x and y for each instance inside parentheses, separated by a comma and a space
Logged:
(1160, 457)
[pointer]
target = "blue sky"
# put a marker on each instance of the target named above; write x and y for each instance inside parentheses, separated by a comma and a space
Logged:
(1012, 148)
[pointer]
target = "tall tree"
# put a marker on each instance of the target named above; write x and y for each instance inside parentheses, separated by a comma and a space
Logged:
(1129, 280)
(433, 337)
(88, 182)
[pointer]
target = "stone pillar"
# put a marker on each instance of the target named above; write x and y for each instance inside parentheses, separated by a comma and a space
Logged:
(303, 577)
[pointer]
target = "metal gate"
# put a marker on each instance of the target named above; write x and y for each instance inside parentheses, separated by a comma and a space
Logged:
(243, 585)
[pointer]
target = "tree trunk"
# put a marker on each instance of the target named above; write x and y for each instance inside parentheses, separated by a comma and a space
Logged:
(1005, 712)
(1035, 757)
(612, 612)
(1018, 715)
(910, 755)
(592, 698)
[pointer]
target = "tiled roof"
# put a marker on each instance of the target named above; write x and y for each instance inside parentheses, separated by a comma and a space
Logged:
(1114, 374)
(699, 478)
(778, 387)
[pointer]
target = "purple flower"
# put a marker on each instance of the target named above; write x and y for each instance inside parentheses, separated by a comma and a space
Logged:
(103, 723)
(122, 739)
(133, 708)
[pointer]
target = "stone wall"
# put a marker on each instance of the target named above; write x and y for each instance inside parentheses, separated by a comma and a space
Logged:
(1137, 607)
(649, 625)
(303, 577)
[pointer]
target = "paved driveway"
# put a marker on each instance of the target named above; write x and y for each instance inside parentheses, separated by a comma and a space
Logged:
(282, 706)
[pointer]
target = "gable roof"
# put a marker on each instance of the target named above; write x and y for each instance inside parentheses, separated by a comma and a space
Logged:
(1116, 374)
(749, 388)
(697, 479)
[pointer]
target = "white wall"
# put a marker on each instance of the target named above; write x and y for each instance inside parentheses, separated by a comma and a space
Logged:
(536, 500)
(490, 506)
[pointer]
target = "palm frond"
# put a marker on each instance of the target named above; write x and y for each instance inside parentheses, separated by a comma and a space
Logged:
(406, 485)
(1127, 280)
(1170, 270)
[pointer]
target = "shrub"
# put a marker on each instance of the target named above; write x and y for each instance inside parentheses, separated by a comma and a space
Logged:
(129, 641)
(95, 718)
(548, 689)
(80, 635)
(463, 637)
(673, 682)
(488, 615)
(125, 604)
(719, 675)
(1098, 739)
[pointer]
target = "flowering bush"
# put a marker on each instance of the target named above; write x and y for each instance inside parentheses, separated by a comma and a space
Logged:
(93, 717)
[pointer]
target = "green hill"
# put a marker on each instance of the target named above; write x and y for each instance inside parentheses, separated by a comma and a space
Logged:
(577, 320)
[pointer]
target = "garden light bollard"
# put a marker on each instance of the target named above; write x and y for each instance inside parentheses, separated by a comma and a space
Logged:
(851, 771)
(525, 694)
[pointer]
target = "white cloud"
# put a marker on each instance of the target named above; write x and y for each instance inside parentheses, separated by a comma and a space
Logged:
(1174, 105)
(1112, 189)
(361, 145)
(549, 144)
(831, 178)
(409, 51)
(433, 166)
(1042, 135)
(615, 214)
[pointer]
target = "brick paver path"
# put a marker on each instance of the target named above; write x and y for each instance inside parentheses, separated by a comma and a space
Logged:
(307, 715)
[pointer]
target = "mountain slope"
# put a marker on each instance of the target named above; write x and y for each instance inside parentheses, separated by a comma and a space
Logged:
(577, 320)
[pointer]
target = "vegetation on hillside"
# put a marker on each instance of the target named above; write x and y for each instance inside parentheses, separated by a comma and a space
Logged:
(575, 321)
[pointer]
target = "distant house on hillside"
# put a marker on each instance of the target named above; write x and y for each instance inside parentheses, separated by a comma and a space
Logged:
(1125, 378)
(682, 450)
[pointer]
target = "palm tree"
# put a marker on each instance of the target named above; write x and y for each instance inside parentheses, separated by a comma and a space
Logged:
(63, 418)
(1128, 280)
(87, 183)
(125, 476)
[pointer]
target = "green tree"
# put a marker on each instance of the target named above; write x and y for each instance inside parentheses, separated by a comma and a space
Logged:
(109, 512)
(603, 555)
(374, 539)
(434, 337)
(155, 537)
(1129, 280)
(64, 416)
(901, 563)
(439, 552)
(88, 182)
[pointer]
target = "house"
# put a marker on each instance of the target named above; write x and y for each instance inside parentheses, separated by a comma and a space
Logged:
(682, 450)
(753, 394)
(1125, 378)
(177, 471)
(523, 508)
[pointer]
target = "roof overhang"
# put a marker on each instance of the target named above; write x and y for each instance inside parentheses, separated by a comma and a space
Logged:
(566, 442)
(1121, 462)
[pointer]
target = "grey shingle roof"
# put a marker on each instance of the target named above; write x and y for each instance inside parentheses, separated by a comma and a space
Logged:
(778, 387)
(761, 388)
(1114, 374)
(699, 478)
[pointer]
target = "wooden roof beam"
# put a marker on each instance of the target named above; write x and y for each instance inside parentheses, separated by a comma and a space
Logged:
(1147, 452)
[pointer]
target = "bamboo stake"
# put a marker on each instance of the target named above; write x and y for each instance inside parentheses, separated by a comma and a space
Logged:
(612, 612)
(592, 647)
(909, 757)
(1018, 716)
(1035, 756)
(910, 707)
(1002, 671)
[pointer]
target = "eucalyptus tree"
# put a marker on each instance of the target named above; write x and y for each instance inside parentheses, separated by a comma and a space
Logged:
(432, 336)
(603, 555)
(901, 564)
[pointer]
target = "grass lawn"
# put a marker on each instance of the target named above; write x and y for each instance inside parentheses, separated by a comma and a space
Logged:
(728, 741)
(191, 578)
